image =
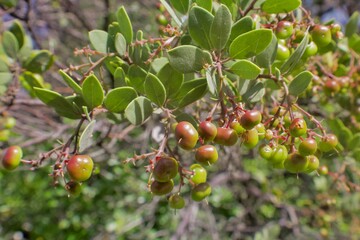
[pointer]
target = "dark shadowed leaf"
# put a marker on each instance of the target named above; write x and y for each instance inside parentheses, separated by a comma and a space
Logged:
(299, 84)
(220, 28)
(187, 59)
(138, 110)
(86, 139)
(200, 21)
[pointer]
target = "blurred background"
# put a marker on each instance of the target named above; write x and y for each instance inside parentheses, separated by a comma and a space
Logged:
(249, 200)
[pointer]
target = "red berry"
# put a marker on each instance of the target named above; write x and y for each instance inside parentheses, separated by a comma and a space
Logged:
(11, 157)
(207, 131)
(80, 167)
(206, 155)
(226, 136)
(186, 135)
(250, 119)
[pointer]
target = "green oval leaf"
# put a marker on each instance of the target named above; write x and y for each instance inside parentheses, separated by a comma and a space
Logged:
(19, 32)
(118, 99)
(245, 24)
(137, 77)
(138, 110)
(39, 61)
(206, 4)
(10, 44)
(113, 30)
(98, 39)
(255, 92)
(187, 59)
(86, 139)
(299, 84)
(32, 79)
(155, 90)
(120, 44)
(193, 95)
(58, 102)
(250, 44)
(352, 25)
(295, 57)
(125, 24)
(92, 91)
(355, 142)
(245, 69)
(119, 77)
(212, 82)
(280, 6)
(220, 28)
(70, 82)
(171, 79)
(181, 6)
(200, 22)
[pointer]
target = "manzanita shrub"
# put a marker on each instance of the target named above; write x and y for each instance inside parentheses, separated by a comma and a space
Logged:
(221, 74)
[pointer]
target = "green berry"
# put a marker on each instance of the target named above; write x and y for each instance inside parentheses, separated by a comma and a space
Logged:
(200, 174)
(161, 188)
(80, 167)
(298, 127)
(200, 192)
(176, 201)
(308, 147)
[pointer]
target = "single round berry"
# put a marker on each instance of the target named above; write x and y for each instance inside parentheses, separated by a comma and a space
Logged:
(311, 50)
(269, 134)
(308, 147)
(265, 151)
(166, 168)
(9, 122)
(260, 128)
(279, 155)
(176, 201)
(331, 87)
(161, 188)
(161, 19)
(226, 136)
(284, 29)
(299, 35)
(237, 128)
(200, 174)
(73, 188)
(207, 131)
(200, 192)
(298, 127)
(250, 119)
(4, 135)
(186, 135)
(323, 170)
(206, 155)
(250, 138)
(296, 163)
(11, 157)
(313, 164)
(321, 35)
(80, 167)
(328, 143)
(282, 52)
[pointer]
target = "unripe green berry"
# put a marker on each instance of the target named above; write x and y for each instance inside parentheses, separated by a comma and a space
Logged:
(200, 192)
